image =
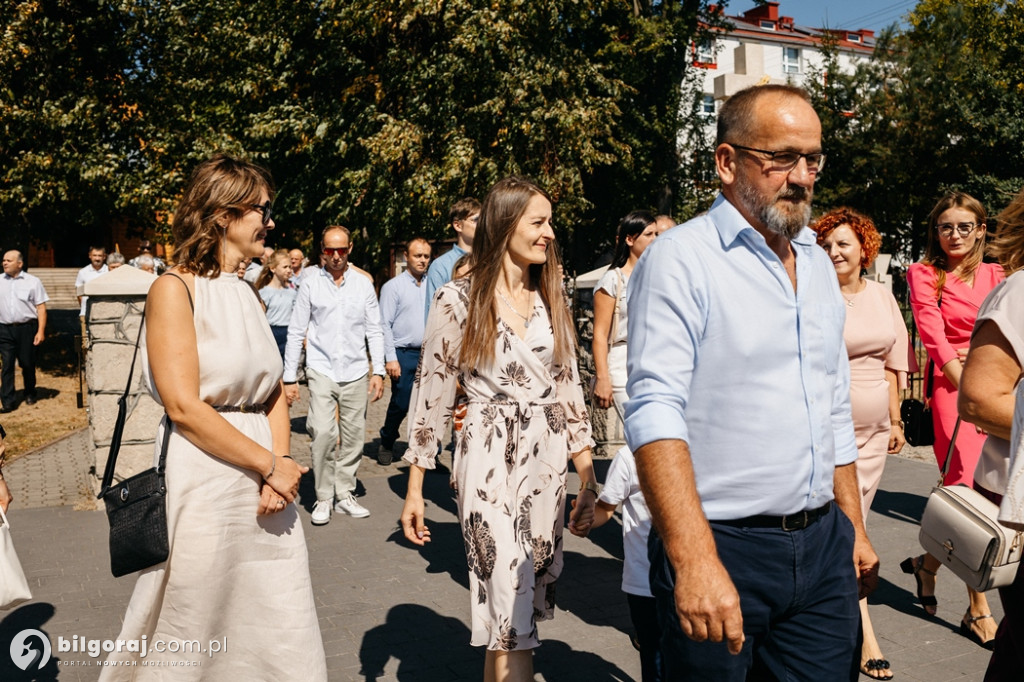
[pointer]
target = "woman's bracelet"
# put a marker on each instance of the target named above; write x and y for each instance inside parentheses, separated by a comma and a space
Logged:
(273, 466)
(896, 422)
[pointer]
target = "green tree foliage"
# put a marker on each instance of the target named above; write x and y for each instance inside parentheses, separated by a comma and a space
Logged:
(374, 115)
(938, 109)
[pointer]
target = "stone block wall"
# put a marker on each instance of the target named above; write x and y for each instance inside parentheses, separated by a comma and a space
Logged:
(112, 325)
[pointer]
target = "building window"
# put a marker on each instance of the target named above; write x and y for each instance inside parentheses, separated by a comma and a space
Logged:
(770, 25)
(853, 37)
(706, 52)
(791, 60)
(707, 105)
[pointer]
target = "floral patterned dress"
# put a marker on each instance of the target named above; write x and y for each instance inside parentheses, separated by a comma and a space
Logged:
(525, 416)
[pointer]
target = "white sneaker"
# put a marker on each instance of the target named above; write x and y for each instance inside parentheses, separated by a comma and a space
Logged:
(348, 505)
(321, 512)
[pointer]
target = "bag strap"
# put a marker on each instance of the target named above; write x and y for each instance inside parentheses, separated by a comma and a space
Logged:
(949, 454)
(122, 410)
(613, 330)
(122, 415)
(929, 378)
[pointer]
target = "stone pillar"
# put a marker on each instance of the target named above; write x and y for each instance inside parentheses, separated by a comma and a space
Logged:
(113, 315)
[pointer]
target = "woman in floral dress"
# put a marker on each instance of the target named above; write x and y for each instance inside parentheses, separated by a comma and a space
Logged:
(503, 334)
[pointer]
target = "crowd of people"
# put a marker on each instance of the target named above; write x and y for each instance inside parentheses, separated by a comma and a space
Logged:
(757, 370)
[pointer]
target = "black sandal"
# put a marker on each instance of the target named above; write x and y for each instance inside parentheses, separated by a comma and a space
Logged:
(876, 665)
(915, 566)
(967, 631)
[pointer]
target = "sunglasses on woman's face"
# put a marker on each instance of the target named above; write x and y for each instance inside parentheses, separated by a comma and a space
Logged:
(264, 210)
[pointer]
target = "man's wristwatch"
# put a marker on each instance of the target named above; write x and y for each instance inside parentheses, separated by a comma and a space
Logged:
(591, 486)
(289, 383)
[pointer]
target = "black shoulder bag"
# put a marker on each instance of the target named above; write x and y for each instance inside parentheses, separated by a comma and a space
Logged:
(137, 506)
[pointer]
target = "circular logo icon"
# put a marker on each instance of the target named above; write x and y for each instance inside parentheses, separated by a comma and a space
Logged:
(26, 654)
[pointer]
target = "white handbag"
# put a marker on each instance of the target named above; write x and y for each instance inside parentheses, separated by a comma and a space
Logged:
(960, 528)
(13, 586)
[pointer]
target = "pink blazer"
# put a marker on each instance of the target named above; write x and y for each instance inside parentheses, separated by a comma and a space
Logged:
(947, 329)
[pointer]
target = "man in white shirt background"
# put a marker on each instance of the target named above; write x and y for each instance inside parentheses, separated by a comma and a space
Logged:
(97, 266)
(336, 312)
(22, 328)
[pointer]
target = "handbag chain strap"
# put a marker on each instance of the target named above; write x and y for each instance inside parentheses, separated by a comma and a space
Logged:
(613, 330)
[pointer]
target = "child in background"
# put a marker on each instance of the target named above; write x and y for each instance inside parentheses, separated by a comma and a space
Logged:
(622, 486)
(274, 285)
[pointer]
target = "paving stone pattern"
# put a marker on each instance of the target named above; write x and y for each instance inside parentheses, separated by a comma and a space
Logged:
(392, 612)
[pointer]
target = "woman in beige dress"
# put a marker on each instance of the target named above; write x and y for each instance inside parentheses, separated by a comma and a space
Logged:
(238, 571)
(503, 334)
(879, 349)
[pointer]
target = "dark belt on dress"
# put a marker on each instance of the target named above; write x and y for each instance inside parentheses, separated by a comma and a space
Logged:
(248, 408)
(789, 522)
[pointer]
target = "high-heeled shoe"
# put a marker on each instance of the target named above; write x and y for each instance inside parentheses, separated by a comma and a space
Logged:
(915, 566)
(968, 631)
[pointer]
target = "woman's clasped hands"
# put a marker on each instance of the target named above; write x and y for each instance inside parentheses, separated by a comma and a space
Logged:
(279, 489)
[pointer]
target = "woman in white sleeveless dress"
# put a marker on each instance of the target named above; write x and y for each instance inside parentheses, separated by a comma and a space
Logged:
(237, 577)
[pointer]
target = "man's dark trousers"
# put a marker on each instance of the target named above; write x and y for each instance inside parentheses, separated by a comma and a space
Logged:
(16, 344)
(398, 408)
(798, 594)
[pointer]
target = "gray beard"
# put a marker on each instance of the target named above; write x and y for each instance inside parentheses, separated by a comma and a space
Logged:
(778, 221)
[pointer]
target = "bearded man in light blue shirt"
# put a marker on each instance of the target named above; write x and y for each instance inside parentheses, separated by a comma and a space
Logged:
(740, 417)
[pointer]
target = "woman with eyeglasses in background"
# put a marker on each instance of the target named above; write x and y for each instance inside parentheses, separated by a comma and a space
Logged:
(946, 290)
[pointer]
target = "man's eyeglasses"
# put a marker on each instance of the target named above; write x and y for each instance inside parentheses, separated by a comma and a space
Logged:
(787, 161)
(336, 251)
(963, 229)
(264, 210)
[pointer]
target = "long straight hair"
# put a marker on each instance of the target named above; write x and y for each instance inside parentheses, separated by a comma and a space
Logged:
(935, 256)
(502, 209)
(631, 226)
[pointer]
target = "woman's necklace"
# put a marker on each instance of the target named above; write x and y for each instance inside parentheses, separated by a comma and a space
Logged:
(526, 320)
(849, 300)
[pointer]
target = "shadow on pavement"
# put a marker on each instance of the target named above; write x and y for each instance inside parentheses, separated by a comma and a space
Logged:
(28, 617)
(901, 506)
(427, 645)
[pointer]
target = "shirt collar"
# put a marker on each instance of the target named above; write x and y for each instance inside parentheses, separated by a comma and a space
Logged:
(730, 223)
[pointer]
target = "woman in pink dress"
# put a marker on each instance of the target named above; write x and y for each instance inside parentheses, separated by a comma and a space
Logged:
(879, 349)
(946, 289)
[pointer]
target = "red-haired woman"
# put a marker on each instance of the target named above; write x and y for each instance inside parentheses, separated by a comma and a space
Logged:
(879, 349)
(504, 335)
(946, 289)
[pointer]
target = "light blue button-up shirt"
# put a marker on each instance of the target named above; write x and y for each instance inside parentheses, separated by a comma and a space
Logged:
(440, 273)
(401, 300)
(724, 355)
(338, 323)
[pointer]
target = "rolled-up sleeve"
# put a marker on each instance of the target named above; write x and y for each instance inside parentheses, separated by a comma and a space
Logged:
(666, 320)
(842, 416)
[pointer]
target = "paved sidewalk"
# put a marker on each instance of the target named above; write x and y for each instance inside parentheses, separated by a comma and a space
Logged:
(392, 612)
